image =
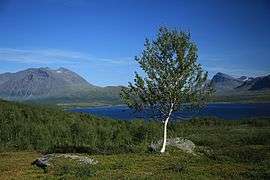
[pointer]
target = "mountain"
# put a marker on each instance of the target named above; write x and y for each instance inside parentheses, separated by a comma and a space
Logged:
(58, 86)
(255, 84)
(39, 83)
(222, 82)
(243, 78)
(242, 89)
(66, 88)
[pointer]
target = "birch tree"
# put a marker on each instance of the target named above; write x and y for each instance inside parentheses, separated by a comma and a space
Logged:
(173, 80)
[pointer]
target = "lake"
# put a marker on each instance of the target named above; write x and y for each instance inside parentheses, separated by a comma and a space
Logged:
(227, 111)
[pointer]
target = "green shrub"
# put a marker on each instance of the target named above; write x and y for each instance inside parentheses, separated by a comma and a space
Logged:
(80, 171)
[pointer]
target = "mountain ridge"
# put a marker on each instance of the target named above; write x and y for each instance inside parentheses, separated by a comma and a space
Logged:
(57, 85)
(61, 86)
(39, 82)
(223, 82)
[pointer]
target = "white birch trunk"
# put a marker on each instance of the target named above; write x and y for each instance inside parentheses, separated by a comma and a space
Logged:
(165, 131)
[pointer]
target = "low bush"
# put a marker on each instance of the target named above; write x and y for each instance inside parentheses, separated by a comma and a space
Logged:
(79, 171)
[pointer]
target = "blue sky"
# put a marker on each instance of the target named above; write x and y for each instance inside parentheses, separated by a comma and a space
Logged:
(99, 39)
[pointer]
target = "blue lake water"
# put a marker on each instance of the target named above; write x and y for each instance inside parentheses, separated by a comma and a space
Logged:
(224, 111)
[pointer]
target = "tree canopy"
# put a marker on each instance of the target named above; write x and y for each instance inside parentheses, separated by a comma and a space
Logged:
(173, 78)
(172, 75)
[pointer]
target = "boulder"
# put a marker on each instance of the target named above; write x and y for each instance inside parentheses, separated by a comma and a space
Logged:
(179, 142)
(41, 164)
(43, 161)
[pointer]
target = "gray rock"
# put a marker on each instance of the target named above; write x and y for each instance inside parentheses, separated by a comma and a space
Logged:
(179, 142)
(41, 164)
(43, 161)
(81, 159)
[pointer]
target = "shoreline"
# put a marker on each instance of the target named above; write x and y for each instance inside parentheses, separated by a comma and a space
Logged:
(124, 105)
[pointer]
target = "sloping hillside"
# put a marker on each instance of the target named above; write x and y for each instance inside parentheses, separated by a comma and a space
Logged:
(43, 128)
(222, 82)
(45, 85)
(243, 89)
(224, 149)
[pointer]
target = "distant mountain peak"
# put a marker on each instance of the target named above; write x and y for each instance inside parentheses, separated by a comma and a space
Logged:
(260, 83)
(62, 69)
(223, 82)
(40, 82)
(243, 78)
(223, 75)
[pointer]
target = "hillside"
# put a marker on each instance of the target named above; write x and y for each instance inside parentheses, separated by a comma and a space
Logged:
(37, 83)
(45, 85)
(47, 128)
(222, 82)
(255, 84)
(225, 149)
(243, 89)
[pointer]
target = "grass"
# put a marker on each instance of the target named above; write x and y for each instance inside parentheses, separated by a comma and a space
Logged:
(17, 165)
(225, 150)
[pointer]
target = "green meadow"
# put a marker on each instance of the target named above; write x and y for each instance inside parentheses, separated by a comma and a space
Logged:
(237, 149)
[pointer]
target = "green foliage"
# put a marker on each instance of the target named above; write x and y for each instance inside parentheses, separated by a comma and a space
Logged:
(75, 170)
(175, 167)
(49, 129)
(172, 75)
(237, 149)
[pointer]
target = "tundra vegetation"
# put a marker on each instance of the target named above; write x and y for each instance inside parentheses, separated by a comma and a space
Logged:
(173, 79)
(238, 149)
